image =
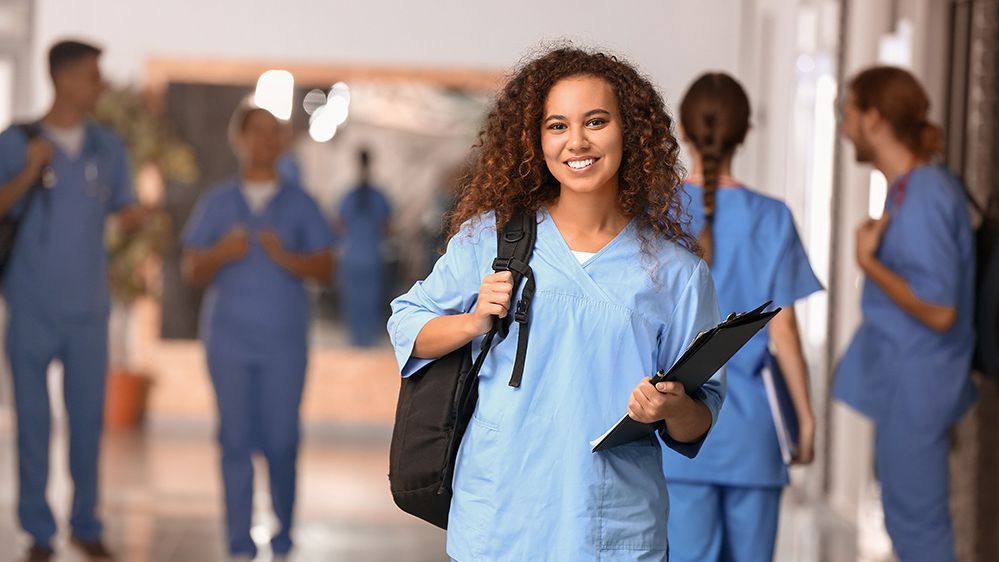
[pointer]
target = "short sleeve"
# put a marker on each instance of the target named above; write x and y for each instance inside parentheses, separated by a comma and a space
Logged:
(696, 311)
(931, 262)
(12, 154)
(792, 278)
(202, 229)
(451, 288)
(122, 191)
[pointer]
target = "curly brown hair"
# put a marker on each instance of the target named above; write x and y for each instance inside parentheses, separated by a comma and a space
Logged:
(509, 170)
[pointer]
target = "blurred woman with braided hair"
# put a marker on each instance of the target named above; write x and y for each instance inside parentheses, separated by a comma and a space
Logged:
(725, 502)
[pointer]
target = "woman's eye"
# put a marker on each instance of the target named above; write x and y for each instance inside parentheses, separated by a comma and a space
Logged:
(557, 126)
(595, 122)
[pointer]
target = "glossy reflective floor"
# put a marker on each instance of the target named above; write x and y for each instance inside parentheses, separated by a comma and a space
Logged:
(161, 502)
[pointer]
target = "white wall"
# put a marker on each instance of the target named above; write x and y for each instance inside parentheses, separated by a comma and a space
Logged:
(671, 41)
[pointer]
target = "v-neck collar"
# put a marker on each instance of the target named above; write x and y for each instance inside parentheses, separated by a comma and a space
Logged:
(87, 150)
(247, 212)
(566, 251)
(555, 245)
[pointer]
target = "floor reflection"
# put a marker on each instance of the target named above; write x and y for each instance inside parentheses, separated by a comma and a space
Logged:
(162, 490)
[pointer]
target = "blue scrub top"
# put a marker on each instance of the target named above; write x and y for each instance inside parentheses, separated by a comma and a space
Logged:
(364, 214)
(758, 256)
(895, 362)
(59, 264)
(254, 305)
(526, 485)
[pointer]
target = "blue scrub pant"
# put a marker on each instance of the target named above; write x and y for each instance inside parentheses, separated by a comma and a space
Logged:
(911, 464)
(34, 341)
(258, 397)
(363, 301)
(709, 523)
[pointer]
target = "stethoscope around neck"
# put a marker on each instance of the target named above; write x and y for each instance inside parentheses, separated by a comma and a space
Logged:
(49, 178)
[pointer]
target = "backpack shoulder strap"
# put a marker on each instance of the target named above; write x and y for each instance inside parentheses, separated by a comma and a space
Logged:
(31, 131)
(514, 247)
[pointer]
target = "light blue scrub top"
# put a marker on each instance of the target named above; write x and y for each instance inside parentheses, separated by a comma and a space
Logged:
(527, 486)
(895, 362)
(59, 264)
(253, 304)
(758, 256)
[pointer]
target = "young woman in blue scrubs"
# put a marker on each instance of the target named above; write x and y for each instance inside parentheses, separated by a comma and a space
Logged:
(725, 503)
(254, 241)
(584, 141)
(908, 366)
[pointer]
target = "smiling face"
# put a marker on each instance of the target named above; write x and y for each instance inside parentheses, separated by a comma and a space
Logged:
(581, 134)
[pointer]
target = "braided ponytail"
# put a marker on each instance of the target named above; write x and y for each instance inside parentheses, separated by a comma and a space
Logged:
(715, 115)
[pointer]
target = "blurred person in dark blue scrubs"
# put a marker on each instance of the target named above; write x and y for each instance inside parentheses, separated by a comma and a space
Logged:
(254, 241)
(56, 286)
(908, 366)
(363, 218)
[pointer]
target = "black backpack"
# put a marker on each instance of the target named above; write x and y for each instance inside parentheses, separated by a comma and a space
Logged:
(436, 403)
(9, 224)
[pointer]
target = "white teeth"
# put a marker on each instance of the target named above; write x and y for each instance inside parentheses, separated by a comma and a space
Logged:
(580, 164)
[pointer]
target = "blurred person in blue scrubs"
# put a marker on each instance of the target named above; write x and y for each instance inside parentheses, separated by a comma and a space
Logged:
(363, 218)
(725, 503)
(583, 142)
(56, 286)
(908, 366)
(254, 241)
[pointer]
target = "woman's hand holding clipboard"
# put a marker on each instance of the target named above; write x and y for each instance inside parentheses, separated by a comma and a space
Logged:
(706, 354)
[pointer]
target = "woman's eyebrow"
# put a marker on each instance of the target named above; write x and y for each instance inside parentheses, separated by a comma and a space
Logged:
(587, 114)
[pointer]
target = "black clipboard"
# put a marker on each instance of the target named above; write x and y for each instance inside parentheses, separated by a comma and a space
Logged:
(706, 354)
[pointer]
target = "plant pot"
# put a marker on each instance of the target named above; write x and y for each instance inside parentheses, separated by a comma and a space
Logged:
(125, 399)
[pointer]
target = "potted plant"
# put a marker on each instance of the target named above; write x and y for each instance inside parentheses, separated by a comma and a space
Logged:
(158, 159)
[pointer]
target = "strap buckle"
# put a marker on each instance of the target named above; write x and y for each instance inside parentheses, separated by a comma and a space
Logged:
(523, 306)
(502, 264)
